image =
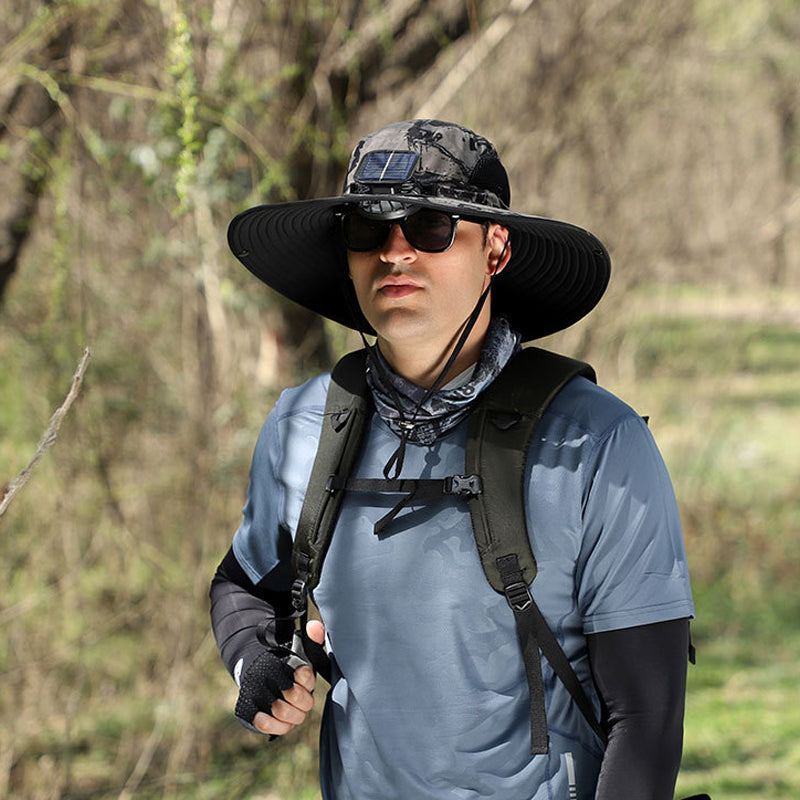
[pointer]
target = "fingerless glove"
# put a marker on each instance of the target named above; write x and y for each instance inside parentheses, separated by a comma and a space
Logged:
(262, 683)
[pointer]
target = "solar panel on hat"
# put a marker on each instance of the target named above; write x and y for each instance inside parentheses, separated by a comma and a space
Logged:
(387, 166)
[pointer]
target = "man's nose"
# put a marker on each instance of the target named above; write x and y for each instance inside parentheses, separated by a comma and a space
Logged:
(396, 247)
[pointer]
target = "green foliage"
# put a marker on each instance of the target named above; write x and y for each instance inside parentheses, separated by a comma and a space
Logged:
(180, 67)
(680, 347)
(733, 31)
(741, 732)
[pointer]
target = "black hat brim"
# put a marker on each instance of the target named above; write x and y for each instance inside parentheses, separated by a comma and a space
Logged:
(557, 273)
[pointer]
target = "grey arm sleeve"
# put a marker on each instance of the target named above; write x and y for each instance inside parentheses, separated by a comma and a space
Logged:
(640, 675)
(238, 607)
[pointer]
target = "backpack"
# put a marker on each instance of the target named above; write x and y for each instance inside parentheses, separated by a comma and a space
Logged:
(499, 433)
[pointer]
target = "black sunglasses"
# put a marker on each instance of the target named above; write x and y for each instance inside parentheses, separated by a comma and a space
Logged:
(427, 230)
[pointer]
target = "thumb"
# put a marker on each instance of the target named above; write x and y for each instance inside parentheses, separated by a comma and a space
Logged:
(316, 631)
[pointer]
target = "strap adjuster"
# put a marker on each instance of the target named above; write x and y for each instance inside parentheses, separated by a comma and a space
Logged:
(463, 485)
(300, 595)
(519, 596)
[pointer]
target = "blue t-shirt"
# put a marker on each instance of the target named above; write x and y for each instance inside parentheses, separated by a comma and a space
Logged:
(429, 695)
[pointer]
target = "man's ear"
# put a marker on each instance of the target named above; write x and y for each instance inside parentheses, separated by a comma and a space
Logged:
(499, 241)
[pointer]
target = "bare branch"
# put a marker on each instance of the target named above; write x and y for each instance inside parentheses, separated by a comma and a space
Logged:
(49, 437)
(47, 24)
(473, 59)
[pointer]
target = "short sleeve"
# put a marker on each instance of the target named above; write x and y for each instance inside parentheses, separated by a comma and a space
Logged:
(261, 544)
(632, 566)
(279, 473)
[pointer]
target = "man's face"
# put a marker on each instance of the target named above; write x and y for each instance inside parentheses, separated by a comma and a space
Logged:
(412, 297)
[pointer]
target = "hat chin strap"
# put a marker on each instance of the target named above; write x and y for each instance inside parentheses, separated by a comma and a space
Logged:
(394, 466)
(467, 330)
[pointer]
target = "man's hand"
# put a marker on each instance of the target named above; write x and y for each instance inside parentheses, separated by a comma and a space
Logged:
(290, 710)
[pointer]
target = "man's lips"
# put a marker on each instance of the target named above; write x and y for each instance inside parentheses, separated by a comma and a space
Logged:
(396, 289)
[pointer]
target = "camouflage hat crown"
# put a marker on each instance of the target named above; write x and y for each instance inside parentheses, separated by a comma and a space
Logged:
(556, 275)
(429, 158)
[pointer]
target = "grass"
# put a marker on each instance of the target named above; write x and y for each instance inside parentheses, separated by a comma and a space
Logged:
(719, 374)
(743, 721)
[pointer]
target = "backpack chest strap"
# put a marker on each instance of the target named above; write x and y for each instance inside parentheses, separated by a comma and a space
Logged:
(411, 490)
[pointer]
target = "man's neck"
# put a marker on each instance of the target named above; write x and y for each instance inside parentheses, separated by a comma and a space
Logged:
(423, 364)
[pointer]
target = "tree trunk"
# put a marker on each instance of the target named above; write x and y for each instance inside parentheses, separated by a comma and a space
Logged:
(30, 125)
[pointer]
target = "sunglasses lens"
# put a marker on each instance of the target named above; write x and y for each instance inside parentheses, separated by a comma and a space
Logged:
(429, 231)
(426, 230)
(362, 234)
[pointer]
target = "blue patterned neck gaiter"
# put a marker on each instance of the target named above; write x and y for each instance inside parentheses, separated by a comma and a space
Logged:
(403, 405)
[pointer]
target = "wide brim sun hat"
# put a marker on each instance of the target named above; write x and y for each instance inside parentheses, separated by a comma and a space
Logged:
(556, 275)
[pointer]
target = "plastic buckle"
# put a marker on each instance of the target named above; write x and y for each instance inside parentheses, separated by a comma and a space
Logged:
(518, 596)
(300, 595)
(464, 485)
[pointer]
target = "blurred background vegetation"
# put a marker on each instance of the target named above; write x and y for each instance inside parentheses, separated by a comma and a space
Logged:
(131, 131)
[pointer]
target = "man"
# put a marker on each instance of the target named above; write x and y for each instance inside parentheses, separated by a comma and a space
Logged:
(429, 697)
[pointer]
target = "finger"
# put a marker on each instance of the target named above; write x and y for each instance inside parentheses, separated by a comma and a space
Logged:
(316, 631)
(286, 712)
(269, 725)
(299, 697)
(304, 676)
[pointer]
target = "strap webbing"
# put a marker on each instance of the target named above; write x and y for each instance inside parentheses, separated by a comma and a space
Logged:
(523, 607)
(312, 652)
(558, 660)
(534, 632)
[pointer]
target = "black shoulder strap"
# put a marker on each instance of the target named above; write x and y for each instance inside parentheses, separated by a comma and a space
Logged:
(347, 408)
(498, 440)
